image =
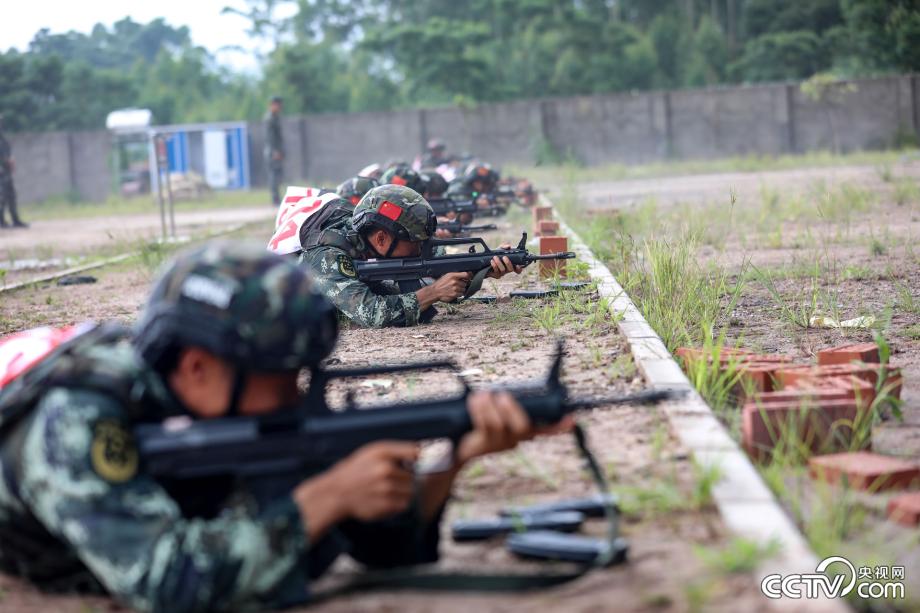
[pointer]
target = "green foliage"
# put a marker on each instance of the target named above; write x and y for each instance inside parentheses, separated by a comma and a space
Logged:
(332, 55)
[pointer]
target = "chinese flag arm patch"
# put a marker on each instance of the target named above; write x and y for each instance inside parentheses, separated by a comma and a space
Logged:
(390, 210)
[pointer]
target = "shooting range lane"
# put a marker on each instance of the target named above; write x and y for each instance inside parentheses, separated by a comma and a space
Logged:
(745, 503)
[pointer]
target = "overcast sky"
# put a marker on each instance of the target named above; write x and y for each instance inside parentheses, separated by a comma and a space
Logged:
(208, 27)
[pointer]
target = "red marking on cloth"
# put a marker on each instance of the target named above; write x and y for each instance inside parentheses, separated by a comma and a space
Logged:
(293, 199)
(397, 180)
(355, 199)
(287, 232)
(390, 210)
(21, 351)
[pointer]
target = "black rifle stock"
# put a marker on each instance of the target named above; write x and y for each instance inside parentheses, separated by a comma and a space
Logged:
(295, 443)
(431, 265)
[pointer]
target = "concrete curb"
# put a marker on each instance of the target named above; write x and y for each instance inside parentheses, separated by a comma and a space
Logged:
(746, 504)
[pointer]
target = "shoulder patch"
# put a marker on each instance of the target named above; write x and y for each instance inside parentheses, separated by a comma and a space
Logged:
(112, 452)
(346, 266)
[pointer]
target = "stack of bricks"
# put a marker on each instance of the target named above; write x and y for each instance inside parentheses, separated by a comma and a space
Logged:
(547, 229)
(815, 405)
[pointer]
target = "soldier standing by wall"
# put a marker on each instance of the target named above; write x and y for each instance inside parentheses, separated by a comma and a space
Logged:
(274, 148)
(7, 189)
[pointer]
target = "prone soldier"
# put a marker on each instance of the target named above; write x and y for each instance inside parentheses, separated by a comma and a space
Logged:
(390, 221)
(225, 332)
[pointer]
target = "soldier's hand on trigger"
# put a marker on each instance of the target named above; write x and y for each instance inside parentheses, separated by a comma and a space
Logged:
(501, 266)
(374, 482)
(451, 286)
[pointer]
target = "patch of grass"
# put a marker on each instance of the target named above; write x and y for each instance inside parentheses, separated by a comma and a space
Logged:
(549, 316)
(884, 172)
(57, 208)
(623, 367)
(750, 163)
(675, 293)
(833, 518)
(906, 191)
(913, 332)
(906, 303)
(716, 382)
(798, 308)
(705, 479)
(740, 555)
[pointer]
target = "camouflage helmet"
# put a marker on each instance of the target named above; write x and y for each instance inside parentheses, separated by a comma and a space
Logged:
(403, 174)
(354, 188)
(254, 309)
(435, 182)
(397, 209)
(480, 172)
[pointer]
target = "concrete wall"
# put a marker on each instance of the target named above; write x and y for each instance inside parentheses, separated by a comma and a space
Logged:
(769, 119)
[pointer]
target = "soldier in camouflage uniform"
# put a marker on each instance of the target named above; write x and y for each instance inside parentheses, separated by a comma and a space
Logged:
(478, 182)
(390, 221)
(403, 174)
(225, 332)
(435, 154)
(7, 189)
(354, 189)
(274, 149)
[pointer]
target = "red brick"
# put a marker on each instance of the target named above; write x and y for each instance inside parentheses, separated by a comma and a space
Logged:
(817, 423)
(548, 228)
(857, 389)
(540, 213)
(757, 376)
(694, 354)
(861, 352)
(905, 509)
(802, 396)
(552, 244)
(867, 372)
(865, 470)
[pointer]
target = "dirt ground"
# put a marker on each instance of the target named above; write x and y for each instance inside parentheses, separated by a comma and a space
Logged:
(92, 236)
(862, 261)
(668, 518)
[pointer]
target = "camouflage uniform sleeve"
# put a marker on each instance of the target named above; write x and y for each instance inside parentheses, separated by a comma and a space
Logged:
(334, 276)
(79, 475)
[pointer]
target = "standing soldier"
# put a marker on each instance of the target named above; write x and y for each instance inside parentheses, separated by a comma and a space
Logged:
(274, 148)
(7, 189)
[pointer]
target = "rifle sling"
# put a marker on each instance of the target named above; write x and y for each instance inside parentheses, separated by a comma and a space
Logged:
(476, 282)
(413, 579)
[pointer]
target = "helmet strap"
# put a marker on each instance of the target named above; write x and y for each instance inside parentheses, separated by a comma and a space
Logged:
(239, 382)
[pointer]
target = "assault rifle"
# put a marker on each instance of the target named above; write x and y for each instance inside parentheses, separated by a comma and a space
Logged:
(279, 449)
(455, 227)
(444, 206)
(431, 265)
